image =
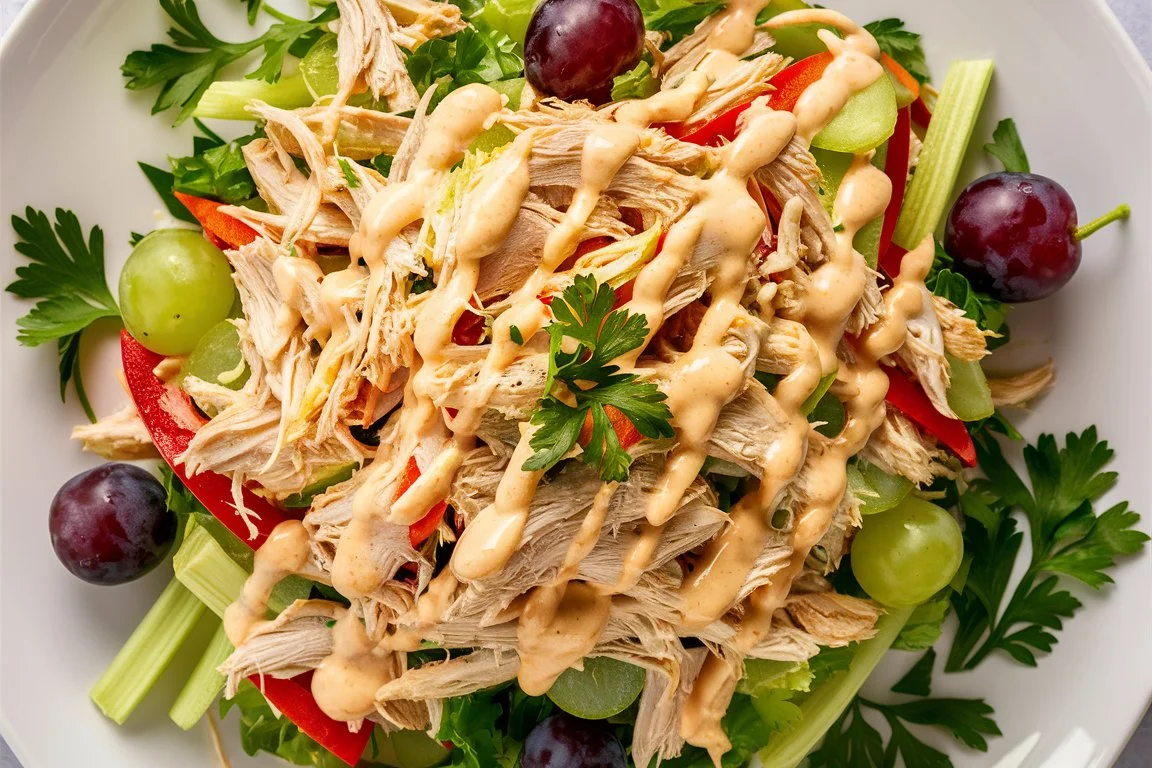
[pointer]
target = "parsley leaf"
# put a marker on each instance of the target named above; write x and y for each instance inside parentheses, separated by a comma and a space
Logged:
(637, 83)
(216, 169)
(471, 55)
(184, 72)
(471, 724)
(676, 17)
(66, 277)
(918, 680)
(1068, 539)
(349, 176)
(926, 623)
(584, 314)
(853, 740)
(901, 45)
(1007, 146)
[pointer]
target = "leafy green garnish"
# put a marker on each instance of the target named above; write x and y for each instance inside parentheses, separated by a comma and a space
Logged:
(184, 72)
(162, 181)
(926, 624)
(66, 277)
(470, 56)
(186, 506)
(584, 314)
(637, 83)
(676, 17)
(854, 741)
(1068, 537)
(901, 45)
(216, 169)
(349, 176)
(981, 308)
(745, 728)
(918, 680)
(261, 730)
(1007, 146)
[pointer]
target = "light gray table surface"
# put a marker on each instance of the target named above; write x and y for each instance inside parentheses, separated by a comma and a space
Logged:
(1136, 15)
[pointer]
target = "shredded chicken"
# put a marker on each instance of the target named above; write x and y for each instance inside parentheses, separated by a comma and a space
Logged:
(120, 436)
(963, 339)
(1019, 390)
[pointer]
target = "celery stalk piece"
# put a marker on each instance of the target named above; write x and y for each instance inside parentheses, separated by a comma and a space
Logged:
(205, 569)
(229, 99)
(147, 653)
(205, 683)
(825, 705)
(944, 148)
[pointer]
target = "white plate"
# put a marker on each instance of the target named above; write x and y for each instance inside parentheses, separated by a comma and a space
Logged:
(71, 136)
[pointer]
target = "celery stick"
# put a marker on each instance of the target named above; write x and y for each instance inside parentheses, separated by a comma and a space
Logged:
(205, 683)
(148, 651)
(228, 99)
(206, 570)
(944, 148)
(825, 705)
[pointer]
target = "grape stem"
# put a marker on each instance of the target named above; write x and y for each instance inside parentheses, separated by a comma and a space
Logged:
(1120, 213)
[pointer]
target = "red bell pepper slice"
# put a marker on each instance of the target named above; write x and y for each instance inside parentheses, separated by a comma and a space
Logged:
(293, 697)
(221, 229)
(420, 530)
(921, 115)
(626, 432)
(213, 490)
(907, 397)
(896, 169)
(789, 84)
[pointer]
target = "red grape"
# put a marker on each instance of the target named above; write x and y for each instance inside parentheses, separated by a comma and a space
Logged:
(574, 48)
(111, 524)
(1013, 235)
(563, 741)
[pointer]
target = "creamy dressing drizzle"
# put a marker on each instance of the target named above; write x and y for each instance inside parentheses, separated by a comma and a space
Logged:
(559, 623)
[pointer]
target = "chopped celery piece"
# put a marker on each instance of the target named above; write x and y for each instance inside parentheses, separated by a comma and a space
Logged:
(825, 705)
(620, 261)
(229, 99)
(147, 653)
(763, 675)
(968, 393)
(815, 398)
(204, 684)
(329, 477)
(865, 123)
(796, 41)
(206, 570)
(216, 579)
(944, 148)
(492, 138)
(318, 67)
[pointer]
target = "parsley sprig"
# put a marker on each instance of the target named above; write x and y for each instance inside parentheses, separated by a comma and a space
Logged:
(903, 46)
(184, 72)
(584, 315)
(1008, 147)
(66, 277)
(854, 740)
(1069, 539)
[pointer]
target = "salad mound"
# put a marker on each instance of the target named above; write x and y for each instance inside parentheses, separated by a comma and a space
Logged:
(574, 385)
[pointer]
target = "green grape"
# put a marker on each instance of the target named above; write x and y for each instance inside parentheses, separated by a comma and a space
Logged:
(174, 287)
(217, 358)
(416, 749)
(605, 687)
(905, 555)
(866, 121)
(877, 490)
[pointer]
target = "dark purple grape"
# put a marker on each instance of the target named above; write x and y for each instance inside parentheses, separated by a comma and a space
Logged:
(574, 48)
(1013, 236)
(111, 524)
(564, 741)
